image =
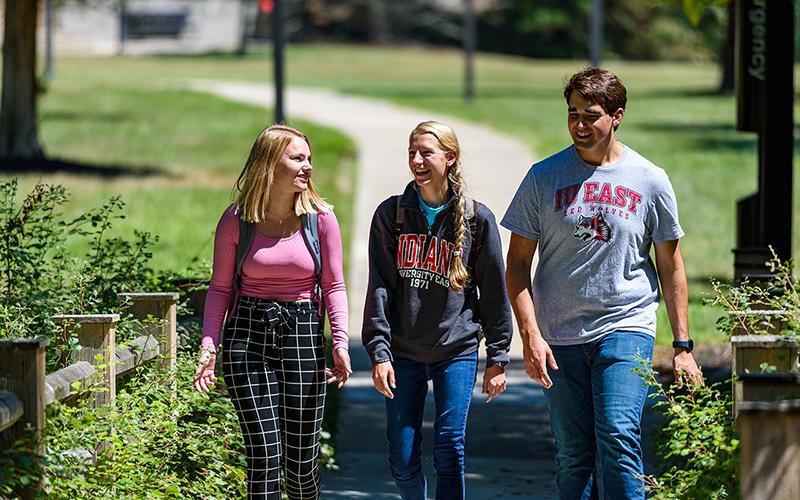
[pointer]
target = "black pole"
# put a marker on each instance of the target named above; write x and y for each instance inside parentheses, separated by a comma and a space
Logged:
(596, 33)
(123, 30)
(244, 20)
(776, 141)
(48, 41)
(279, 40)
(764, 42)
(469, 51)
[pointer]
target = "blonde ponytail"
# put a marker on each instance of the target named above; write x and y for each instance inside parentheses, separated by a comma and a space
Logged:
(458, 271)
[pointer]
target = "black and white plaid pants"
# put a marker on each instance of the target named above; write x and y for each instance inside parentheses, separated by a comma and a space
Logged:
(273, 363)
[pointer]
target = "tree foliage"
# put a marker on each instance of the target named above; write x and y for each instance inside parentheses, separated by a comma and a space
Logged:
(694, 8)
(533, 28)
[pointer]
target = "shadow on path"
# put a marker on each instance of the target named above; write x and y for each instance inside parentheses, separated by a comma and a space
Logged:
(509, 449)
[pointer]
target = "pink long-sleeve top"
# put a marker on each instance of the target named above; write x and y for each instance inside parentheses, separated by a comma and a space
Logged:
(279, 269)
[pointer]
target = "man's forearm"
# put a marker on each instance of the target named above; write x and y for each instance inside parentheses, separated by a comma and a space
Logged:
(676, 299)
(672, 276)
(519, 292)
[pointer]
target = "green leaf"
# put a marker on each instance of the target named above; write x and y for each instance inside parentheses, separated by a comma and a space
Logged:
(694, 10)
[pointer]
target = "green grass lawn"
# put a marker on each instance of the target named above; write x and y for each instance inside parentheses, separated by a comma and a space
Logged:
(177, 155)
(135, 112)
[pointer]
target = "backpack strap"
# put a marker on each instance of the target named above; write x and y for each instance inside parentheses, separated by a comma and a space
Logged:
(309, 225)
(471, 214)
(469, 208)
(247, 231)
(399, 216)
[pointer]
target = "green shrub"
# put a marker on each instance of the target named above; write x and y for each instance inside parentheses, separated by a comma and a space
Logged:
(20, 466)
(697, 446)
(777, 292)
(149, 444)
(39, 279)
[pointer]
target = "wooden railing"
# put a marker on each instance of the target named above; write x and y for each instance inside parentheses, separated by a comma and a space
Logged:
(25, 389)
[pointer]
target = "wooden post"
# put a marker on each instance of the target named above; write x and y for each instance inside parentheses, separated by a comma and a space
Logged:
(97, 338)
(22, 372)
(749, 352)
(162, 308)
(770, 449)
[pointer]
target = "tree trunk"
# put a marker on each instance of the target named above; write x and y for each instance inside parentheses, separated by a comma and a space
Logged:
(378, 26)
(18, 129)
(726, 81)
(245, 25)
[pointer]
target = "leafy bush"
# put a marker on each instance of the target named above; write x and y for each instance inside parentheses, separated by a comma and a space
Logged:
(20, 466)
(39, 278)
(697, 445)
(778, 293)
(149, 444)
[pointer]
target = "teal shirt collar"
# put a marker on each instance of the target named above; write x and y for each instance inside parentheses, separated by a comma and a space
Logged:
(430, 213)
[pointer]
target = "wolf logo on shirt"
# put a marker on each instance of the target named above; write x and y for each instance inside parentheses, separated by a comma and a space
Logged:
(592, 228)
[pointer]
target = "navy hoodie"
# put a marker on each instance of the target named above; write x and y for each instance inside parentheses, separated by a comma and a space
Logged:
(410, 310)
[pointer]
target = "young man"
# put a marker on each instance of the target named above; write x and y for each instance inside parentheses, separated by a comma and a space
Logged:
(593, 211)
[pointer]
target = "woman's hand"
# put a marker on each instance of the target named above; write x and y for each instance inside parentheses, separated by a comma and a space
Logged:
(383, 378)
(341, 370)
(204, 377)
(494, 382)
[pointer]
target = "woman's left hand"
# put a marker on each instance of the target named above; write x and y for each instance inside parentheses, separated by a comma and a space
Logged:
(494, 382)
(341, 370)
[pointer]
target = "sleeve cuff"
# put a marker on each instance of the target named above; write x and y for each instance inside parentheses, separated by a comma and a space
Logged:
(343, 344)
(501, 359)
(381, 355)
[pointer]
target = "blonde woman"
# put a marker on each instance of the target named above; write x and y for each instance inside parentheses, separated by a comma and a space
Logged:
(436, 281)
(268, 278)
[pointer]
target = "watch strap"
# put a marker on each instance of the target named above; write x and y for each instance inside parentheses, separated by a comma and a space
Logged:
(687, 344)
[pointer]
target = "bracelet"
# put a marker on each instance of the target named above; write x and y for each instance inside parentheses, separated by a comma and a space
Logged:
(381, 361)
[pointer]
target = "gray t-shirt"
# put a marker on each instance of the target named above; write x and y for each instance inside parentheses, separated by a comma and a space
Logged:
(594, 226)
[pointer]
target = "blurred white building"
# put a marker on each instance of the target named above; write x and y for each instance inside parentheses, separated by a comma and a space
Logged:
(148, 26)
(104, 27)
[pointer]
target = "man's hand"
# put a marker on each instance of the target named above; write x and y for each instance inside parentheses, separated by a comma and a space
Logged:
(537, 356)
(494, 382)
(535, 351)
(671, 273)
(383, 378)
(686, 370)
(341, 370)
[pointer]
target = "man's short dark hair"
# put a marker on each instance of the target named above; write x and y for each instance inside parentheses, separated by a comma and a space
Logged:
(598, 86)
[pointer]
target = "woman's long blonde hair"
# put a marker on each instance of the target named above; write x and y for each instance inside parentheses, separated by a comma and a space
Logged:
(255, 181)
(448, 141)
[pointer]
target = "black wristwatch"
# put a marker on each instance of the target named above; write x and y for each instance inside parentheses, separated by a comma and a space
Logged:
(683, 344)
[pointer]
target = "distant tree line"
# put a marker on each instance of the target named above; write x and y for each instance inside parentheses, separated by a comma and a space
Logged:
(633, 29)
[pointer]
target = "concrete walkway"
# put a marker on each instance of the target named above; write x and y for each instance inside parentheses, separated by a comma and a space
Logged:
(509, 448)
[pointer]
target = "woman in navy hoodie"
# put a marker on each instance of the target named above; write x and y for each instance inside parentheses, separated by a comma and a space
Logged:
(436, 287)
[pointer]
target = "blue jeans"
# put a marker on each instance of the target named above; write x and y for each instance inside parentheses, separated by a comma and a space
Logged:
(453, 380)
(596, 404)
